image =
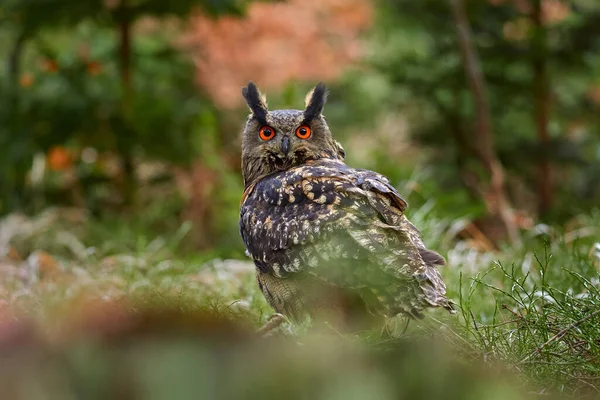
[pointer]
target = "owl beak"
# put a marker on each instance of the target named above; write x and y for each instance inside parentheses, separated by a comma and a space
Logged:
(285, 145)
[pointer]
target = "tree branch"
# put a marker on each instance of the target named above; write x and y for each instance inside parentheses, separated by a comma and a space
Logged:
(495, 197)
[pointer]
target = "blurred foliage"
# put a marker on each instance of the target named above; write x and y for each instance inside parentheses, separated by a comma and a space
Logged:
(93, 89)
(228, 54)
(415, 52)
(102, 107)
(118, 352)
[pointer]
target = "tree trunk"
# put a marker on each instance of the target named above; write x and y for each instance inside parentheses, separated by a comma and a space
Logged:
(14, 59)
(494, 196)
(13, 173)
(542, 102)
(126, 143)
(125, 51)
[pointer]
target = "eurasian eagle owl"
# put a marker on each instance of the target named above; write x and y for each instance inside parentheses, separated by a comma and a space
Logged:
(326, 237)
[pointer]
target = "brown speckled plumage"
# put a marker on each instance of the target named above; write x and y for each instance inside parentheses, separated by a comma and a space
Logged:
(321, 233)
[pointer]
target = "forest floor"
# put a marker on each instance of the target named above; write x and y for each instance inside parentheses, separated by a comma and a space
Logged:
(109, 315)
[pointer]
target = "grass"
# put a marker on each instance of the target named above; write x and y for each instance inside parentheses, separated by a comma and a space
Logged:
(528, 323)
(536, 309)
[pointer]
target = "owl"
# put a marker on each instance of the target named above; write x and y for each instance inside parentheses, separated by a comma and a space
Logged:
(327, 238)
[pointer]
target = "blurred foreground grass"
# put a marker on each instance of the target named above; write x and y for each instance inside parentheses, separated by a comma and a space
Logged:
(90, 313)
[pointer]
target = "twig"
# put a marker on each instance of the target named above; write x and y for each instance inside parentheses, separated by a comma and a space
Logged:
(477, 329)
(560, 334)
(563, 363)
(477, 234)
(512, 321)
(584, 380)
(505, 307)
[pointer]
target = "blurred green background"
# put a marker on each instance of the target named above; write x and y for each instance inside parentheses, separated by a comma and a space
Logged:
(120, 178)
(131, 109)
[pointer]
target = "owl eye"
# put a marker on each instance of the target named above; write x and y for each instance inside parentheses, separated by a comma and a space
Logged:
(266, 133)
(303, 132)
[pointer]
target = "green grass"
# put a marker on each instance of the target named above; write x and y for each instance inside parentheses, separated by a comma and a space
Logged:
(528, 323)
(535, 309)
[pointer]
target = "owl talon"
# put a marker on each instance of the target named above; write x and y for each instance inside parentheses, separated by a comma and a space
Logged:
(274, 322)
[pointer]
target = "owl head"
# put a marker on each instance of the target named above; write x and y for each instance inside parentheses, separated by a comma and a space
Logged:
(277, 140)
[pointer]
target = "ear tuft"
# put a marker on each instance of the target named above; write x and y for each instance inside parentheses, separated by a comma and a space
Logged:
(308, 97)
(315, 101)
(257, 102)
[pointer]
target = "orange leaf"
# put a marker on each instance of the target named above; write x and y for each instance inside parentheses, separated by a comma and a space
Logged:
(59, 158)
(49, 65)
(94, 68)
(26, 80)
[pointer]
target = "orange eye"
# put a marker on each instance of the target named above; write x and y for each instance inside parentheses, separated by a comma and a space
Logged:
(266, 133)
(303, 132)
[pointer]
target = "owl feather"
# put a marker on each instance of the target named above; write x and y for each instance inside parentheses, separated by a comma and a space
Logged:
(322, 233)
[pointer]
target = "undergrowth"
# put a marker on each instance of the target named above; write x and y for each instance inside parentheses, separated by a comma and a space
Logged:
(533, 310)
(544, 323)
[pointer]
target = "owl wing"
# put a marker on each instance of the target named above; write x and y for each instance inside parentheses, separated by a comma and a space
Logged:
(344, 226)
